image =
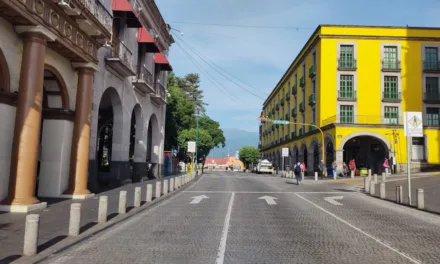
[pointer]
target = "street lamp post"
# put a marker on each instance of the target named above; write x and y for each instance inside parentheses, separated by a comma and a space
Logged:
(197, 141)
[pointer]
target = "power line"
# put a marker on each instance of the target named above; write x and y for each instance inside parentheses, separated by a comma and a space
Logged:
(240, 26)
(209, 64)
(217, 66)
(210, 78)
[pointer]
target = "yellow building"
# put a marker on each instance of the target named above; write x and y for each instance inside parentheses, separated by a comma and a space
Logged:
(355, 83)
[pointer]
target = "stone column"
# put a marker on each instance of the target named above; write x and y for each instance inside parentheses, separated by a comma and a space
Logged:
(340, 160)
(79, 154)
(26, 138)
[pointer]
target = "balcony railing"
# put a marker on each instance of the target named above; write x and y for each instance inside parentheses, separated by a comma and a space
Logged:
(432, 97)
(312, 99)
(144, 82)
(282, 101)
(294, 89)
(160, 96)
(431, 66)
(97, 10)
(312, 71)
(287, 96)
(302, 107)
(301, 131)
(347, 64)
(346, 95)
(392, 96)
(363, 120)
(120, 59)
(293, 135)
(302, 81)
(391, 65)
(294, 112)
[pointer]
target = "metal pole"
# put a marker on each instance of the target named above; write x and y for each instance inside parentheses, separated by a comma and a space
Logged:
(408, 158)
(197, 141)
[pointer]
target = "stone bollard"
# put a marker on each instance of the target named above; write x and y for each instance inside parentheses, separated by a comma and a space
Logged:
(384, 177)
(420, 199)
(158, 189)
(122, 209)
(367, 185)
(401, 194)
(102, 209)
(31, 235)
(176, 182)
(316, 176)
(165, 187)
(387, 171)
(397, 194)
(352, 174)
(369, 173)
(375, 178)
(149, 193)
(171, 184)
(75, 218)
(335, 176)
(382, 190)
(137, 196)
(372, 188)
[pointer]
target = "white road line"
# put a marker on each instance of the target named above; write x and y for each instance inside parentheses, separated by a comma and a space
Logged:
(222, 248)
(259, 192)
(413, 260)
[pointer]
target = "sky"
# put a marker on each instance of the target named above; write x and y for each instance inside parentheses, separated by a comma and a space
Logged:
(241, 48)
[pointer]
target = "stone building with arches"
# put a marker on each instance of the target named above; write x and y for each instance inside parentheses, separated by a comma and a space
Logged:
(82, 97)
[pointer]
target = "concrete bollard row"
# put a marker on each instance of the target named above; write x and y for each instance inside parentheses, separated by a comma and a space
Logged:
(375, 178)
(171, 185)
(31, 235)
(367, 185)
(149, 193)
(165, 187)
(369, 173)
(384, 177)
(102, 209)
(122, 209)
(75, 219)
(316, 176)
(382, 190)
(372, 188)
(352, 174)
(420, 199)
(399, 194)
(158, 189)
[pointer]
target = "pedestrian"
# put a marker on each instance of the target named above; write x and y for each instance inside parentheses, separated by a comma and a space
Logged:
(298, 171)
(386, 165)
(352, 166)
(335, 168)
(345, 170)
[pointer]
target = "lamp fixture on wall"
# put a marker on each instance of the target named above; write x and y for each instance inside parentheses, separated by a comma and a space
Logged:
(64, 5)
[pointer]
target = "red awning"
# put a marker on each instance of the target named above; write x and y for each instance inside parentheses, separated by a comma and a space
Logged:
(161, 60)
(123, 9)
(145, 38)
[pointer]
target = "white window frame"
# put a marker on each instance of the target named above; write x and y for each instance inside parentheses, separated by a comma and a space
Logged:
(338, 52)
(391, 44)
(425, 114)
(399, 106)
(338, 112)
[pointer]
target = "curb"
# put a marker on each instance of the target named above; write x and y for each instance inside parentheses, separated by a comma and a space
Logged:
(69, 242)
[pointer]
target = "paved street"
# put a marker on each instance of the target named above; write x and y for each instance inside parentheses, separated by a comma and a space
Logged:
(228, 217)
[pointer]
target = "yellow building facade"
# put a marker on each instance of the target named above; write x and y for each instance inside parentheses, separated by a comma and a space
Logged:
(355, 83)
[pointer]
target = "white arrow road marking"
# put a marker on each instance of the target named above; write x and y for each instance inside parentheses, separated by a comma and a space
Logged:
(333, 198)
(197, 199)
(269, 199)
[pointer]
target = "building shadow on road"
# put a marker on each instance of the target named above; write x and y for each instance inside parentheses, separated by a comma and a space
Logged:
(345, 190)
(50, 243)
(9, 259)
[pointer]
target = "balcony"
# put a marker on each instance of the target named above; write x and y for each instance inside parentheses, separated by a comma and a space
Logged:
(287, 96)
(347, 64)
(312, 71)
(349, 95)
(312, 99)
(159, 97)
(282, 102)
(286, 137)
(363, 120)
(120, 59)
(311, 128)
(302, 107)
(287, 117)
(277, 107)
(391, 66)
(431, 66)
(293, 135)
(302, 82)
(394, 97)
(144, 83)
(92, 17)
(294, 89)
(432, 97)
(294, 112)
(301, 131)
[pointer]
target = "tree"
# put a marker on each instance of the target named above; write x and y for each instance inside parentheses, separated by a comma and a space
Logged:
(190, 85)
(205, 142)
(214, 130)
(248, 155)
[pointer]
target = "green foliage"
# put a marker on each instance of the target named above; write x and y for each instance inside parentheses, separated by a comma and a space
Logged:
(214, 130)
(205, 142)
(248, 155)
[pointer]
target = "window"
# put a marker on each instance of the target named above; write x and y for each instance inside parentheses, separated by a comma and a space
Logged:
(346, 86)
(304, 69)
(288, 87)
(390, 57)
(431, 58)
(296, 79)
(346, 114)
(391, 115)
(303, 116)
(313, 86)
(390, 88)
(346, 56)
(296, 126)
(432, 116)
(313, 116)
(432, 91)
(314, 58)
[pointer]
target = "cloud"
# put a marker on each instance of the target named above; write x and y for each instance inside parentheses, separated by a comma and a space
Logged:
(260, 56)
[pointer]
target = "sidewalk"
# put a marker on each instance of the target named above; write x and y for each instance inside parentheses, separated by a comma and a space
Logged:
(54, 220)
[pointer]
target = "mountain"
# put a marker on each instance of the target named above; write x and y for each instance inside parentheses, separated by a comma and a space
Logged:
(235, 139)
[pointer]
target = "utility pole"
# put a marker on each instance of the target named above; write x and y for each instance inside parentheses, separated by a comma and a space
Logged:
(197, 140)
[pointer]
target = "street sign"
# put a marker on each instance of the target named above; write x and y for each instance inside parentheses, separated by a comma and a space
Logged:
(285, 152)
(281, 122)
(413, 124)
(191, 146)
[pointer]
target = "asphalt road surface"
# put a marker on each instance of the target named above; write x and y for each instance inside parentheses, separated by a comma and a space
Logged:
(229, 217)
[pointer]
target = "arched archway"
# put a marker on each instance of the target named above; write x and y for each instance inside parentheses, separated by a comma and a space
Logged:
(315, 157)
(367, 149)
(137, 149)
(329, 149)
(303, 153)
(153, 144)
(109, 133)
(5, 76)
(296, 154)
(55, 127)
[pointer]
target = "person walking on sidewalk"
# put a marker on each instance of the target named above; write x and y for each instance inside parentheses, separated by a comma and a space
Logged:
(386, 166)
(298, 171)
(303, 170)
(352, 166)
(335, 168)
(322, 168)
